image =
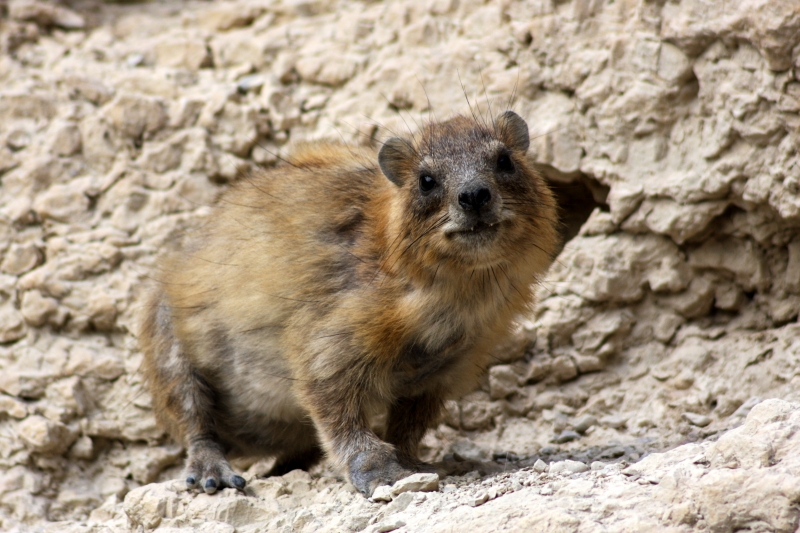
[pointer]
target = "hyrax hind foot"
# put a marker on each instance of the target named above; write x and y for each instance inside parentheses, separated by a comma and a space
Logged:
(207, 469)
(371, 468)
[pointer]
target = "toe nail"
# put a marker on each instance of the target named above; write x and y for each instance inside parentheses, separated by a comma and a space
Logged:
(238, 482)
(190, 481)
(211, 486)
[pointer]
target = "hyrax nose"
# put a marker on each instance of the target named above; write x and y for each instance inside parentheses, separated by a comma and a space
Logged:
(475, 199)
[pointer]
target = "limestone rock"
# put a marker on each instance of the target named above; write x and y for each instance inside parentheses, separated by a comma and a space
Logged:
(697, 419)
(64, 138)
(13, 407)
(230, 508)
(771, 26)
(161, 157)
(503, 381)
(21, 258)
(135, 116)
(45, 436)
(319, 68)
(187, 53)
(742, 259)
(91, 89)
(679, 221)
(476, 414)
(695, 301)
(15, 105)
(382, 493)
(87, 361)
(422, 482)
(12, 325)
(793, 266)
(600, 328)
(582, 424)
(24, 383)
(37, 309)
(226, 17)
(563, 368)
(148, 505)
(45, 14)
(62, 203)
(567, 467)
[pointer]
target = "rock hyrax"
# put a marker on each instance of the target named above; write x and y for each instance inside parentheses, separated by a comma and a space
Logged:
(340, 285)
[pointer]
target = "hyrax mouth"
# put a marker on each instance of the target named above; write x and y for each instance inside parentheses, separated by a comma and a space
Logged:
(477, 229)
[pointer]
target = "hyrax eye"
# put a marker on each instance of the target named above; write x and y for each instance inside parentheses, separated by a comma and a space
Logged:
(426, 183)
(505, 164)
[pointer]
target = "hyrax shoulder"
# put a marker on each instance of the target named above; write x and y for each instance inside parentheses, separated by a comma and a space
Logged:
(341, 284)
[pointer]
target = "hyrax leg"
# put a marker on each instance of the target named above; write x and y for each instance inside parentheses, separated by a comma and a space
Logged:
(337, 409)
(192, 400)
(409, 418)
(185, 401)
(206, 467)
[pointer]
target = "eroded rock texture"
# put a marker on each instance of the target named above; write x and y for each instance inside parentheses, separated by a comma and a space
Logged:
(670, 131)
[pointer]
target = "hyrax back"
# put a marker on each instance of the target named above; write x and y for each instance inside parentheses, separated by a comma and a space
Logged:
(321, 293)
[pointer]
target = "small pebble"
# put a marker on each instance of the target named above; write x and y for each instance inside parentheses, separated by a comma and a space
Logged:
(568, 467)
(249, 83)
(18, 139)
(471, 476)
(597, 465)
(389, 525)
(614, 421)
(478, 499)
(547, 490)
(540, 466)
(382, 494)
(696, 419)
(449, 488)
(134, 60)
(612, 452)
(566, 436)
(422, 482)
(583, 423)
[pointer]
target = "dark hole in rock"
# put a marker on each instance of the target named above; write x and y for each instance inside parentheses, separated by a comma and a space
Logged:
(577, 196)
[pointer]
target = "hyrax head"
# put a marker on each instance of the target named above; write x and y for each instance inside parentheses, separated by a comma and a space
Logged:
(467, 187)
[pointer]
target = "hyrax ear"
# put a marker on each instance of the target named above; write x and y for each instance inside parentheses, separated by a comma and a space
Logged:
(513, 131)
(394, 158)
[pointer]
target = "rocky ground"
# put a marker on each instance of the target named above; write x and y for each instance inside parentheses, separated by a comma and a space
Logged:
(651, 390)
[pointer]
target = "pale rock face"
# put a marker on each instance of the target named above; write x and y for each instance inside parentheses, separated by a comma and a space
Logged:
(667, 318)
(771, 26)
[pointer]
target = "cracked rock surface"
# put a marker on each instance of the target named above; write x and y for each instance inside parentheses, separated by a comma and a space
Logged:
(656, 385)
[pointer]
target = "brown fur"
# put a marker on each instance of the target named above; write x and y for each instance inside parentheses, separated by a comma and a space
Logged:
(321, 293)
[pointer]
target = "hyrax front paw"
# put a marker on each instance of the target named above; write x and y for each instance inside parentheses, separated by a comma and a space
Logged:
(372, 468)
(207, 469)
